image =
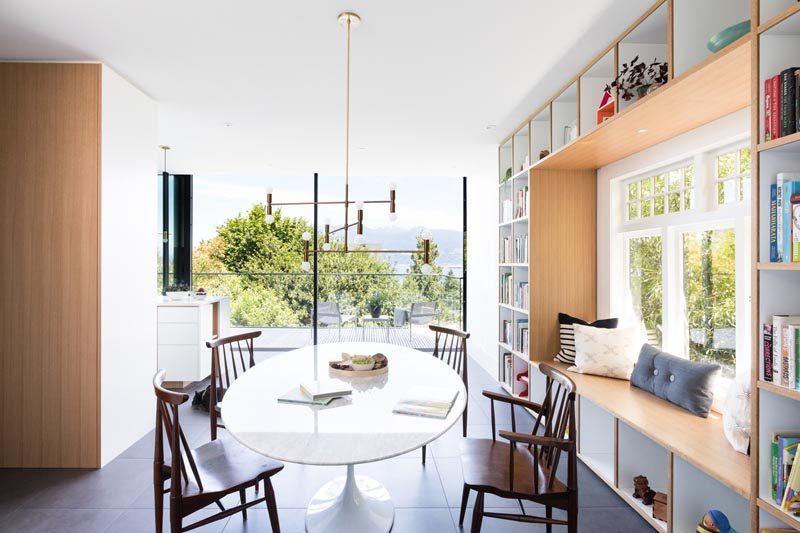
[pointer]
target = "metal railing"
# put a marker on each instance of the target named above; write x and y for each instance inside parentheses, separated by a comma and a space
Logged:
(281, 300)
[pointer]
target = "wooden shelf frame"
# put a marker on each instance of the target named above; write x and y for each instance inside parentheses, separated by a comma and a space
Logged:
(778, 513)
(777, 19)
(780, 142)
(786, 392)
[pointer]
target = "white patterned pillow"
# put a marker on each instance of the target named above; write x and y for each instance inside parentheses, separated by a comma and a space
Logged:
(566, 324)
(606, 352)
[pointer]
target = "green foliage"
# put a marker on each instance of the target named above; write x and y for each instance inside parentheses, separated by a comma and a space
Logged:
(260, 266)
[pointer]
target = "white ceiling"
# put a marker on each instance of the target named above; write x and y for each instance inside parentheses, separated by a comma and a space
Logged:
(428, 77)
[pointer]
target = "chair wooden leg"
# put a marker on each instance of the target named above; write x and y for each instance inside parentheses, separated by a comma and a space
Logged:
(159, 503)
(548, 512)
(477, 514)
(175, 520)
(464, 501)
(272, 507)
(213, 417)
(424, 450)
(572, 516)
(242, 499)
(464, 421)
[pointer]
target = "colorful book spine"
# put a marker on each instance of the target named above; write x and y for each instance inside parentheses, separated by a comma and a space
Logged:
(787, 447)
(787, 109)
(767, 346)
(795, 228)
(768, 109)
(796, 341)
(774, 466)
(778, 210)
(775, 93)
(788, 373)
(773, 224)
(791, 185)
(797, 99)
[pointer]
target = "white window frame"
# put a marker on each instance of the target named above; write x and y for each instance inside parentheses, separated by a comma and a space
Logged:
(737, 175)
(705, 214)
(677, 165)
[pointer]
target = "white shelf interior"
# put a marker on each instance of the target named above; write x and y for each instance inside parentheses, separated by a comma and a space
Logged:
(596, 434)
(540, 134)
(773, 8)
(639, 455)
(565, 117)
(648, 41)
(506, 159)
(776, 413)
(779, 49)
(695, 492)
(593, 84)
(697, 23)
(521, 141)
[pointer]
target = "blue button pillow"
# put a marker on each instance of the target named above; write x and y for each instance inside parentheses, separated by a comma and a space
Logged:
(677, 380)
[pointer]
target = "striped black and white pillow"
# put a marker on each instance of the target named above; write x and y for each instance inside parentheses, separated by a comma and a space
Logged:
(566, 325)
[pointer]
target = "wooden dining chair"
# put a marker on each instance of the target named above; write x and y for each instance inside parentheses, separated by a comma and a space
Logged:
(202, 476)
(228, 361)
(451, 347)
(524, 467)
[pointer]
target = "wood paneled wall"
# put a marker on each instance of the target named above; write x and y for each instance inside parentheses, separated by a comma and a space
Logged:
(50, 273)
(563, 253)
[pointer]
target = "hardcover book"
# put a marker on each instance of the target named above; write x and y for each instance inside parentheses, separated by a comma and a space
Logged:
(768, 109)
(787, 109)
(326, 388)
(775, 95)
(767, 347)
(791, 185)
(774, 256)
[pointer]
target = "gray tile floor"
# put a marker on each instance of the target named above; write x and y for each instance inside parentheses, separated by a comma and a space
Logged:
(119, 498)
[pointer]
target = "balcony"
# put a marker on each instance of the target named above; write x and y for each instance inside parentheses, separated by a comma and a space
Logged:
(280, 305)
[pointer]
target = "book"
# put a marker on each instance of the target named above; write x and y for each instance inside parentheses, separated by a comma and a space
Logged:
(788, 124)
(788, 372)
(774, 256)
(792, 481)
(778, 211)
(795, 224)
(797, 99)
(767, 347)
(325, 388)
(297, 396)
(778, 322)
(787, 449)
(431, 402)
(768, 109)
(775, 91)
(790, 185)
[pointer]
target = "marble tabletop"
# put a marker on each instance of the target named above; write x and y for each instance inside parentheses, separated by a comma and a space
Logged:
(357, 429)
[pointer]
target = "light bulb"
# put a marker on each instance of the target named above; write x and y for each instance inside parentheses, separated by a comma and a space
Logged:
(270, 219)
(426, 234)
(306, 236)
(392, 186)
(269, 190)
(359, 205)
(328, 221)
(326, 246)
(305, 265)
(392, 216)
(358, 239)
(425, 269)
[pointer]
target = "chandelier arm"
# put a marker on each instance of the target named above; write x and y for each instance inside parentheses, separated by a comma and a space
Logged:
(330, 202)
(370, 251)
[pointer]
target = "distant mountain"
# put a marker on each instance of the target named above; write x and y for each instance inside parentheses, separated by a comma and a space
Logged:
(395, 238)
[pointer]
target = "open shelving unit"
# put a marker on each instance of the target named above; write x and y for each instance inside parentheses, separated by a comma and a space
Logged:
(624, 431)
(776, 286)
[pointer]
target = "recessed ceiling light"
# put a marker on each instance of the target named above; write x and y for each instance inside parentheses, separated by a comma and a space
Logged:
(643, 130)
(228, 124)
(491, 126)
(362, 147)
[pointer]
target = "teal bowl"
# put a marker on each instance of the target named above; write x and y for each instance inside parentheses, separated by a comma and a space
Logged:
(728, 35)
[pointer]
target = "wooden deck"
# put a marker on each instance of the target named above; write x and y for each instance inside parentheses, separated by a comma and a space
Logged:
(278, 339)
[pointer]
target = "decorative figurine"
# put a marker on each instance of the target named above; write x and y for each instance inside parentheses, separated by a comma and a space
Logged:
(714, 522)
(641, 489)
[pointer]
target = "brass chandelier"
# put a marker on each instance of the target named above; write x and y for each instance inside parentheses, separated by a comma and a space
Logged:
(349, 21)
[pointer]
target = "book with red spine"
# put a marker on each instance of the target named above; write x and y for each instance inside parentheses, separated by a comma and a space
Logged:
(775, 97)
(768, 109)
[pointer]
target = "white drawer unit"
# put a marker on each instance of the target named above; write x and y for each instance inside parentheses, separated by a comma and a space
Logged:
(184, 327)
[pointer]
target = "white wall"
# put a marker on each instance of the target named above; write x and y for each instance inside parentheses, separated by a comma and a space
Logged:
(128, 259)
(482, 246)
(725, 130)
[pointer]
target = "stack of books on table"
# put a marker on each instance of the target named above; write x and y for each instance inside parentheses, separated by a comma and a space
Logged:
(320, 392)
(430, 402)
(781, 351)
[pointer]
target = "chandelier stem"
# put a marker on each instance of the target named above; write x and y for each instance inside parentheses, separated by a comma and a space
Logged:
(347, 137)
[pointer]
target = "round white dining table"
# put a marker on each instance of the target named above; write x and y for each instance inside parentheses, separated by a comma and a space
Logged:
(359, 428)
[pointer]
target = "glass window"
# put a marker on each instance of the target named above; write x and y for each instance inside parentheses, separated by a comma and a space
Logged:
(645, 283)
(733, 176)
(709, 292)
(665, 193)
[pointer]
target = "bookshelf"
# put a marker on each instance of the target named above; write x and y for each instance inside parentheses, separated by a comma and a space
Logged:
(776, 286)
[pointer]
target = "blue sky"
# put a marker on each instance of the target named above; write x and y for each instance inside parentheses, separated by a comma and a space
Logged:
(434, 203)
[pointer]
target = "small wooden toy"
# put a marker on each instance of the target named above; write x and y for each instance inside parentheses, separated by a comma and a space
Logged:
(641, 489)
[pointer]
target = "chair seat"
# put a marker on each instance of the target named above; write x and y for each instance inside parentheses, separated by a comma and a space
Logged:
(485, 464)
(225, 465)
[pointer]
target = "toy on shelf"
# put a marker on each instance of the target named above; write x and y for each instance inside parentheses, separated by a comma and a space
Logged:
(641, 489)
(715, 522)
(660, 506)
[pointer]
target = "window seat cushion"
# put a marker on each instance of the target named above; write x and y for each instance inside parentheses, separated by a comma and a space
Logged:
(685, 383)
